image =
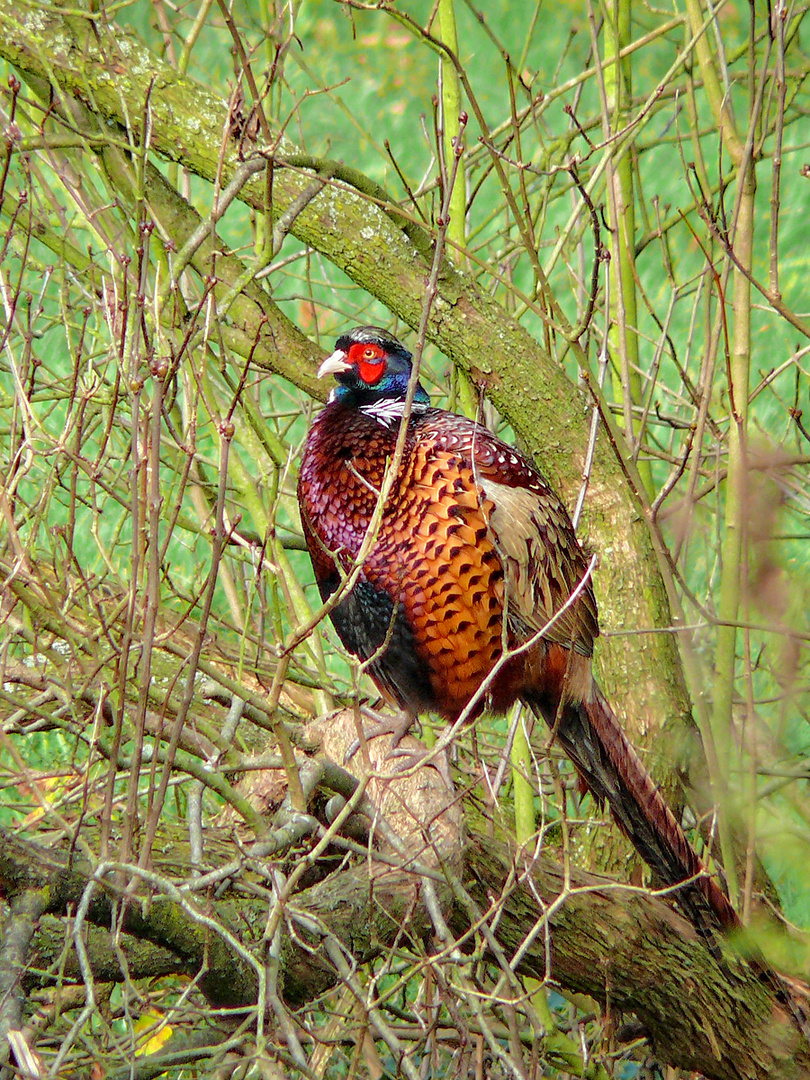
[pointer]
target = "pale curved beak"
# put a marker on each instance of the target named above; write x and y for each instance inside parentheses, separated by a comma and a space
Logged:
(334, 364)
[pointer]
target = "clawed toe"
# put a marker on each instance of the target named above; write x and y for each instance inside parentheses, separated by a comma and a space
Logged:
(397, 726)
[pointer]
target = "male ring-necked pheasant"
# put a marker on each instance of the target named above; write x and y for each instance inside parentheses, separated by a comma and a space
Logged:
(474, 557)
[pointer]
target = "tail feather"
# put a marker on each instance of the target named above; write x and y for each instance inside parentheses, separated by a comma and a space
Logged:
(592, 737)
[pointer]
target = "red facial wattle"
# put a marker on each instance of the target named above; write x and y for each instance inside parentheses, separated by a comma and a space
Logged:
(370, 361)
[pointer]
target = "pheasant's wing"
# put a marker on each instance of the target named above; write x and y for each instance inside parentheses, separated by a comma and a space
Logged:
(544, 565)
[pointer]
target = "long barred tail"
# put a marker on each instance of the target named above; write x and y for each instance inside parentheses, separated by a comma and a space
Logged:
(592, 737)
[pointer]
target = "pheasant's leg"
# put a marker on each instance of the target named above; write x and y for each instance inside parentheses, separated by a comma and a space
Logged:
(395, 724)
(398, 725)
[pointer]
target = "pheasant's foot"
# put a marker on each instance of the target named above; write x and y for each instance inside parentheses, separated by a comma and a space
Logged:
(397, 725)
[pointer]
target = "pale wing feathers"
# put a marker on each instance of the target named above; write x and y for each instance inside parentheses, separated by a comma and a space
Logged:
(525, 525)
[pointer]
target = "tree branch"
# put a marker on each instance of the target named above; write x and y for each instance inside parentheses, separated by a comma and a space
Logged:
(579, 931)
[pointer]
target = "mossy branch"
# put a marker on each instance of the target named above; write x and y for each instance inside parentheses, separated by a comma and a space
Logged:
(113, 76)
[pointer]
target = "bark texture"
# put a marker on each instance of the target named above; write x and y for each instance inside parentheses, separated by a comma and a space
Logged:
(582, 932)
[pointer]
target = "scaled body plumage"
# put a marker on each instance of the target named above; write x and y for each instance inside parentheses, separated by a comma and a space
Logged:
(449, 525)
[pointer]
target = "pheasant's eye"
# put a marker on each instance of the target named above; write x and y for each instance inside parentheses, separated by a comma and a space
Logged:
(370, 361)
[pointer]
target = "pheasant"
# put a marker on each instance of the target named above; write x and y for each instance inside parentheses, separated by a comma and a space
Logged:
(474, 592)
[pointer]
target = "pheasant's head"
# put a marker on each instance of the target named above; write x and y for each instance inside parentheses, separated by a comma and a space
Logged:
(372, 370)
